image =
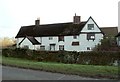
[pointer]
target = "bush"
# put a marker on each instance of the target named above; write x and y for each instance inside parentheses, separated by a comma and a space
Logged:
(91, 58)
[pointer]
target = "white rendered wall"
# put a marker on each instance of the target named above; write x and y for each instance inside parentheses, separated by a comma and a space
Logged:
(90, 21)
(84, 43)
(46, 42)
(68, 44)
(18, 41)
(28, 43)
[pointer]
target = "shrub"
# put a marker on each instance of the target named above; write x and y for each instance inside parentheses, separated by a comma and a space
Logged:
(91, 58)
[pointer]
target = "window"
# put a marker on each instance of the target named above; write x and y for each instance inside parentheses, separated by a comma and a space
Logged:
(52, 47)
(42, 48)
(75, 43)
(50, 38)
(61, 38)
(90, 26)
(74, 37)
(90, 36)
(26, 47)
(88, 48)
(61, 47)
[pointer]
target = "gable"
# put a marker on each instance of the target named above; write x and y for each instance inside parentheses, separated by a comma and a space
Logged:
(25, 41)
(91, 21)
(32, 40)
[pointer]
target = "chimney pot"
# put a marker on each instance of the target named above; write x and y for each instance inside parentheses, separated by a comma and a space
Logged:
(37, 22)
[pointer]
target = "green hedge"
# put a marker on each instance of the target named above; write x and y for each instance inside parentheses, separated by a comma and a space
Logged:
(92, 58)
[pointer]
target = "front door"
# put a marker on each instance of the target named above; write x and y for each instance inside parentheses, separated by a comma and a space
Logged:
(52, 47)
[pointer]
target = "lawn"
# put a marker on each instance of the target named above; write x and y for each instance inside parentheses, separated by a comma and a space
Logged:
(77, 69)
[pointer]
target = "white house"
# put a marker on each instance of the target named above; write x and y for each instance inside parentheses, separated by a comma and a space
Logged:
(118, 39)
(71, 36)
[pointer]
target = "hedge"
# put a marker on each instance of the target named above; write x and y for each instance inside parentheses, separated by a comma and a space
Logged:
(91, 58)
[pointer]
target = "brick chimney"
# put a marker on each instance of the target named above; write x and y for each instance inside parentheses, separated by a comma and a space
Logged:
(37, 22)
(76, 19)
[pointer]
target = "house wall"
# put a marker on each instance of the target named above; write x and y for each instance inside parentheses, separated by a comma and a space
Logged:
(46, 42)
(28, 43)
(90, 21)
(82, 39)
(68, 44)
(84, 43)
(18, 41)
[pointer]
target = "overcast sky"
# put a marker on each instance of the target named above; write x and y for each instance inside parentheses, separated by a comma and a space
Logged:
(17, 13)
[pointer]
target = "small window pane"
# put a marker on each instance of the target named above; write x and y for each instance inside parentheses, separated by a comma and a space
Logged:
(90, 36)
(75, 37)
(88, 48)
(90, 26)
(26, 47)
(50, 38)
(75, 43)
(42, 48)
(61, 47)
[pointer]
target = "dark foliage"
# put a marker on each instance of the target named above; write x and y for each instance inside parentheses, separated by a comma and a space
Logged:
(91, 58)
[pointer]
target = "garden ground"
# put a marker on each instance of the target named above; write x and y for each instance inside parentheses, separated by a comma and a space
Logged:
(95, 71)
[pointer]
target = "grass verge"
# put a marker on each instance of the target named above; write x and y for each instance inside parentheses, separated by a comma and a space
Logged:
(110, 72)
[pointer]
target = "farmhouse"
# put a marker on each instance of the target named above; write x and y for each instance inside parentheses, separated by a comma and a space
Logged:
(71, 36)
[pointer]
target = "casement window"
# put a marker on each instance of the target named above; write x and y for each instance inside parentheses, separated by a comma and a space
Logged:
(61, 38)
(61, 47)
(90, 26)
(52, 47)
(75, 37)
(42, 48)
(75, 43)
(88, 48)
(50, 38)
(90, 36)
(26, 47)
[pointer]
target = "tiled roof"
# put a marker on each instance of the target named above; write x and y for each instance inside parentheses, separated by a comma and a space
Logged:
(51, 30)
(33, 41)
(110, 31)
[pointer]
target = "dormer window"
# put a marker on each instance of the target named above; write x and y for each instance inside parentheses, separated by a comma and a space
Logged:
(90, 26)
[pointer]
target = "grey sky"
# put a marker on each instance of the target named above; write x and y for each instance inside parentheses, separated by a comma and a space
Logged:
(17, 13)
